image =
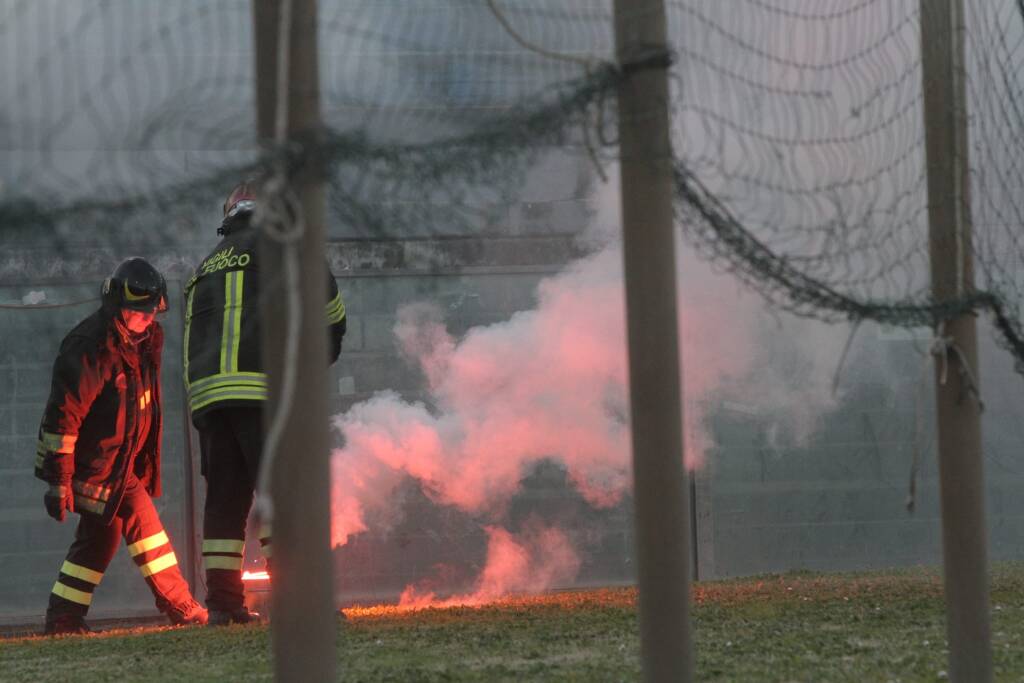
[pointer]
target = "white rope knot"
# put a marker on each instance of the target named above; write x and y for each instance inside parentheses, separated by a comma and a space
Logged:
(943, 347)
(940, 347)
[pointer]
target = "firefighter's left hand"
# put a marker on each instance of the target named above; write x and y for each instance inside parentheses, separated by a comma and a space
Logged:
(59, 500)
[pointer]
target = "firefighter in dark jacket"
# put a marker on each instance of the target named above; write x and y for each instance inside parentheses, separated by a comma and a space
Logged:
(99, 450)
(226, 391)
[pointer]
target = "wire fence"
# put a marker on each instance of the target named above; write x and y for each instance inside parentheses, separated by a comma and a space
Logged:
(797, 132)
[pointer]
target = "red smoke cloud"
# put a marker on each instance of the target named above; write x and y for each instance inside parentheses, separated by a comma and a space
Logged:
(539, 558)
(548, 383)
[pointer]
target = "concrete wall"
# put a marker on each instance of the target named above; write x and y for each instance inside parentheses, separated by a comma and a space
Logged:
(834, 501)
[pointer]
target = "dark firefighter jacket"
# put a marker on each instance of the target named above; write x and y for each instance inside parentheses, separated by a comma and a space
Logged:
(103, 417)
(223, 366)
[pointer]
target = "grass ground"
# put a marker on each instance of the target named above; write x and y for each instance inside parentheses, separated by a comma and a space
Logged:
(885, 626)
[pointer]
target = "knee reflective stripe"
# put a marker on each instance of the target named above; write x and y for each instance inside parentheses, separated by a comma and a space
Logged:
(79, 572)
(72, 594)
(76, 583)
(159, 564)
(232, 546)
(150, 543)
(223, 553)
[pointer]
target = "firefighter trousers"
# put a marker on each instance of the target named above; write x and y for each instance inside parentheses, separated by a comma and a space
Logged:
(230, 441)
(96, 543)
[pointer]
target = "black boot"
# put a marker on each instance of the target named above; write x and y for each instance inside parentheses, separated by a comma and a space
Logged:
(59, 624)
(241, 615)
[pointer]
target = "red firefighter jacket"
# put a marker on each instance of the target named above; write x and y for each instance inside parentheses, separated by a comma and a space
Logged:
(103, 417)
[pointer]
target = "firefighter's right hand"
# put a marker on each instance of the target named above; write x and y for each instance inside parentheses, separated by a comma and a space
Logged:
(59, 500)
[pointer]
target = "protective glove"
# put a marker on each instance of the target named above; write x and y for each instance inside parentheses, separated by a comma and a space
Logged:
(58, 500)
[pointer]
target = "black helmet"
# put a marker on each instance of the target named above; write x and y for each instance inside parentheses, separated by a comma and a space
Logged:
(137, 285)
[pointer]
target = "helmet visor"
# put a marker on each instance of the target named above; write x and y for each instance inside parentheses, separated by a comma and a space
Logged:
(139, 298)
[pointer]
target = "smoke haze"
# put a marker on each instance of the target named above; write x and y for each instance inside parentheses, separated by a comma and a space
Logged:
(552, 383)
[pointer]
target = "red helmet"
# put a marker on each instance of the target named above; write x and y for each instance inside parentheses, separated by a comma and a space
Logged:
(241, 200)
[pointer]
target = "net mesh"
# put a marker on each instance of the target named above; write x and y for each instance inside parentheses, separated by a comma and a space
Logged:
(797, 130)
(798, 135)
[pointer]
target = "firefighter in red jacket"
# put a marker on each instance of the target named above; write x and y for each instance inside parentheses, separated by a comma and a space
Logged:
(99, 450)
(226, 390)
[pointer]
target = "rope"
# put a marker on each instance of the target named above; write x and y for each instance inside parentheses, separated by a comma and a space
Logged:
(941, 346)
(69, 304)
(533, 47)
(842, 356)
(275, 223)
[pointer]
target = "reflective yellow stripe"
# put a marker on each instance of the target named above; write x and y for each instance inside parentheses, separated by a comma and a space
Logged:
(154, 541)
(80, 572)
(242, 383)
(335, 309)
(212, 381)
(250, 386)
(89, 505)
(59, 443)
(91, 490)
(236, 323)
(223, 545)
(39, 460)
(267, 550)
(158, 565)
(72, 594)
(188, 330)
(222, 562)
(225, 332)
(231, 333)
(227, 394)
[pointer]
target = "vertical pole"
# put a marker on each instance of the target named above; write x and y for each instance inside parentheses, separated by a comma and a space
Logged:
(660, 488)
(192, 533)
(961, 481)
(304, 622)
